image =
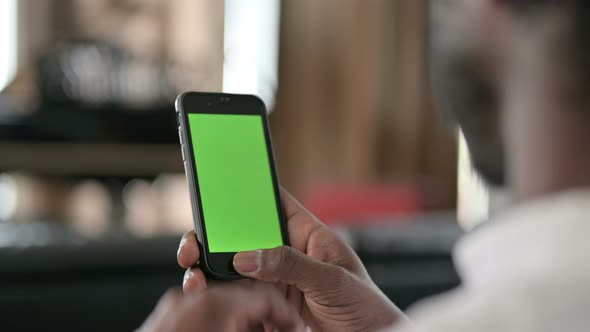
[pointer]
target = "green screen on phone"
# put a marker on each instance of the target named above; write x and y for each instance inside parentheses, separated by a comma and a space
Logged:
(235, 182)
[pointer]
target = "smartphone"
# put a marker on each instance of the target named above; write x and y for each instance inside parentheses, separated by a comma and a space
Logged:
(230, 169)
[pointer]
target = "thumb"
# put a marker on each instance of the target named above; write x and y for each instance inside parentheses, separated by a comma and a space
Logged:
(287, 265)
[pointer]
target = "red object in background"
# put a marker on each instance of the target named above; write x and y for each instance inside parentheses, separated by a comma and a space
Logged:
(343, 204)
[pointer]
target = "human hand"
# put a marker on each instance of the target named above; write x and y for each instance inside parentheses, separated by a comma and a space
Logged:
(233, 308)
(319, 274)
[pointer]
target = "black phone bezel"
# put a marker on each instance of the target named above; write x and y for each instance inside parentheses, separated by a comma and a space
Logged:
(219, 266)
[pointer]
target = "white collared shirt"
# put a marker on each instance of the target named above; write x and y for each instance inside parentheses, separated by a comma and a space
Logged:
(527, 270)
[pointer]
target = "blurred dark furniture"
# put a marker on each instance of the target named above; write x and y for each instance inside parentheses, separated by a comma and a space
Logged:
(411, 259)
(109, 286)
(73, 285)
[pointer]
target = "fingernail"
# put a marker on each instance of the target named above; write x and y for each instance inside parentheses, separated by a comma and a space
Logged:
(248, 262)
(187, 275)
(182, 243)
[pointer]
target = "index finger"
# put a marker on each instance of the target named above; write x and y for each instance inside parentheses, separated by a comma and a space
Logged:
(188, 250)
(300, 222)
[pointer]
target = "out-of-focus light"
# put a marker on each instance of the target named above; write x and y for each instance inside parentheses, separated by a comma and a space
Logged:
(142, 216)
(8, 196)
(174, 203)
(90, 208)
(8, 15)
(251, 48)
(473, 206)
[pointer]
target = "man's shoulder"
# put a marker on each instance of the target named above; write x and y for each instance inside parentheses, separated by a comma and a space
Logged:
(526, 272)
(540, 305)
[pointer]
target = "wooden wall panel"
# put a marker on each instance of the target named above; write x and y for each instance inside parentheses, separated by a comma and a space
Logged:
(354, 101)
(328, 88)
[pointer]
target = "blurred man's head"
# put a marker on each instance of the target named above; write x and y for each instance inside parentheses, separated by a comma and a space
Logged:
(509, 70)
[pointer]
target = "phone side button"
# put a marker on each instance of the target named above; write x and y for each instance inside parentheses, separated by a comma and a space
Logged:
(182, 152)
(186, 171)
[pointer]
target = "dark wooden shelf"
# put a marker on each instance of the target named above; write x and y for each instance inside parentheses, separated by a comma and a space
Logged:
(83, 141)
(91, 159)
(80, 124)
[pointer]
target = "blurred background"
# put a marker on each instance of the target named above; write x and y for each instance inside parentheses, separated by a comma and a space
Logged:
(93, 197)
